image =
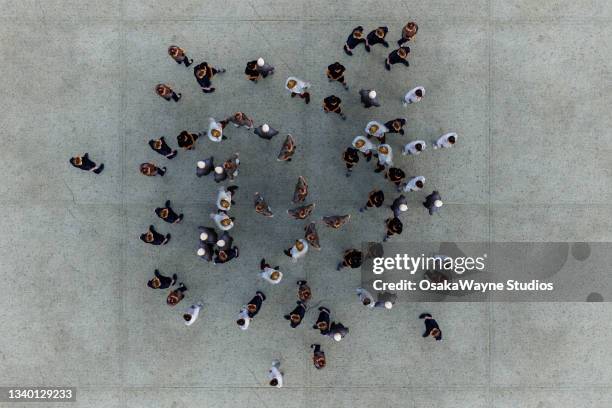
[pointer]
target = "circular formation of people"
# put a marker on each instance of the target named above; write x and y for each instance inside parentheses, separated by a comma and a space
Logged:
(216, 245)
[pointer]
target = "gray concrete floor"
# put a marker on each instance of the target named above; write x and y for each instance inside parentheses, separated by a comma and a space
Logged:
(525, 83)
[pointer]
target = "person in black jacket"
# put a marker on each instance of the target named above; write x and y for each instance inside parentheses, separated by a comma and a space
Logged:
(337, 331)
(354, 40)
(352, 258)
(254, 304)
(178, 55)
(167, 93)
(297, 314)
(187, 140)
(335, 72)
(167, 214)
(398, 56)
(160, 281)
(394, 226)
(376, 198)
(251, 71)
(161, 147)
(431, 327)
(265, 131)
(204, 73)
(396, 176)
(175, 296)
(83, 163)
(154, 238)
(332, 104)
(225, 255)
(350, 158)
(323, 321)
(396, 126)
(433, 202)
(377, 37)
(205, 167)
(151, 170)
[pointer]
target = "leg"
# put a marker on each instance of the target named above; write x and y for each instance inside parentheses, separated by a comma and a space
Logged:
(387, 65)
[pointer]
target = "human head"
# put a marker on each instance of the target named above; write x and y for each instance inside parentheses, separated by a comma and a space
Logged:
(201, 252)
(225, 204)
(265, 128)
(402, 52)
(154, 283)
(359, 143)
(418, 147)
(216, 133)
(157, 144)
(291, 83)
(221, 243)
(275, 275)
(274, 382)
(201, 164)
(434, 332)
(419, 183)
(372, 94)
(403, 207)
(187, 317)
(77, 160)
(438, 203)
(451, 139)
(366, 301)
(337, 337)
(219, 170)
(260, 62)
(240, 322)
(419, 93)
(388, 305)
(226, 221)
(299, 245)
(295, 318)
(383, 149)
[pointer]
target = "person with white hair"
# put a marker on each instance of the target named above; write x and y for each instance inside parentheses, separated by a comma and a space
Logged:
(414, 184)
(414, 148)
(397, 56)
(365, 146)
(354, 39)
(223, 221)
(220, 174)
(414, 95)
(270, 274)
(368, 98)
(265, 131)
(203, 73)
(244, 320)
(224, 197)
(298, 250)
(298, 87)
(386, 300)
(433, 202)
(275, 375)
(445, 141)
(205, 251)
(337, 331)
(365, 298)
(399, 205)
(205, 167)
(384, 153)
(376, 129)
(191, 313)
(215, 130)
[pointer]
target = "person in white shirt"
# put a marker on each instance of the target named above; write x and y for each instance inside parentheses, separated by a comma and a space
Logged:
(298, 87)
(272, 275)
(414, 148)
(445, 141)
(224, 197)
(365, 297)
(275, 375)
(414, 184)
(192, 313)
(364, 146)
(223, 221)
(385, 157)
(298, 250)
(414, 95)
(376, 129)
(215, 130)
(244, 320)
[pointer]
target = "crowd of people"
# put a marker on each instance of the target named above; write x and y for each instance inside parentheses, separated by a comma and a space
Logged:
(217, 246)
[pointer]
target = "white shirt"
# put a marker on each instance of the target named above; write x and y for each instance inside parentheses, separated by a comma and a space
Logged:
(267, 272)
(380, 132)
(275, 373)
(213, 124)
(366, 147)
(295, 254)
(220, 217)
(410, 148)
(299, 88)
(364, 294)
(443, 140)
(244, 314)
(411, 184)
(223, 194)
(194, 311)
(385, 159)
(411, 96)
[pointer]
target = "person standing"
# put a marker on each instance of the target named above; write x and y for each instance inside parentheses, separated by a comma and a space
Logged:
(265, 131)
(150, 170)
(414, 95)
(240, 119)
(433, 202)
(230, 166)
(223, 221)
(377, 37)
(354, 39)
(205, 167)
(215, 131)
(364, 146)
(385, 157)
(154, 238)
(225, 197)
(167, 214)
(160, 281)
(335, 72)
(192, 313)
(414, 148)
(333, 104)
(272, 275)
(396, 126)
(296, 315)
(176, 295)
(396, 176)
(386, 300)
(298, 87)
(205, 251)
(400, 205)
(431, 327)
(275, 375)
(223, 255)
(298, 250)
(261, 207)
(207, 235)
(397, 56)
(311, 235)
(352, 258)
(304, 294)
(366, 298)
(301, 213)
(243, 318)
(254, 305)
(178, 55)
(336, 221)
(414, 184)
(408, 32)
(323, 320)
(300, 192)
(350, 157)
(264, 68)
(445, 141)
(376, 198)
(187, 140)
(84, 163)
(394, 227)
(337, 331)
(204, 73)
(161, 147)
(318, 356)
(376, 129)
(287, 149)
(368, 98)
(167, 93)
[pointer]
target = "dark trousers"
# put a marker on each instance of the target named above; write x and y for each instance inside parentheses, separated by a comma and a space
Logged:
(174, 97)
(161, 172)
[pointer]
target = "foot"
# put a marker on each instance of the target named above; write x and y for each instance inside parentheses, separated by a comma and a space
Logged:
(347, 51)
(167, 204)
(339, 266)
(346, 87)
(180, 95)
(387, 66)
(174, 278)
(361, 209)
(367, 48)
(180, 219)
(221, 70)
